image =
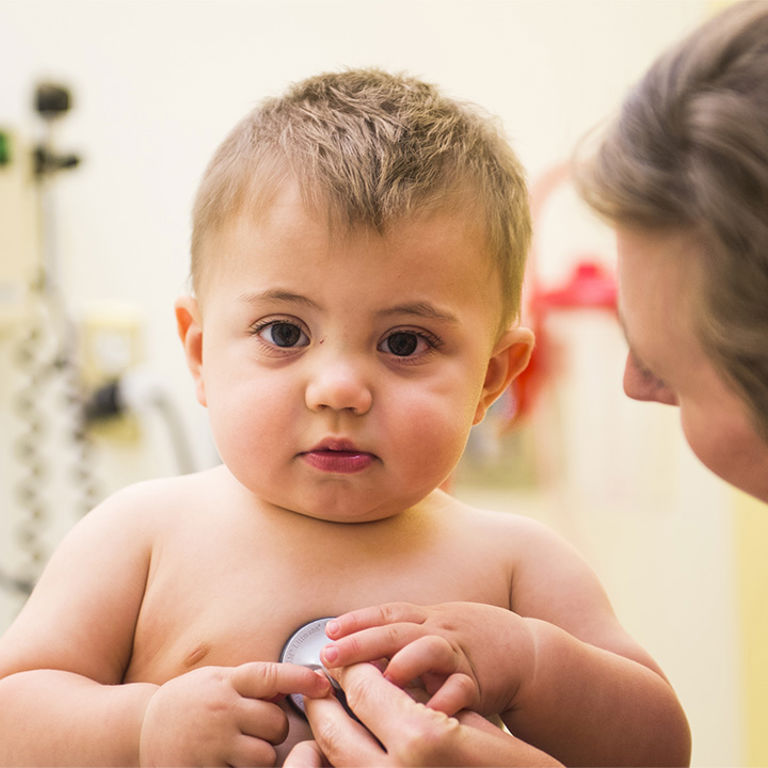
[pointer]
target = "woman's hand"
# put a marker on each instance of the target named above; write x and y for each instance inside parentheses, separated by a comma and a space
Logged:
(401, 731)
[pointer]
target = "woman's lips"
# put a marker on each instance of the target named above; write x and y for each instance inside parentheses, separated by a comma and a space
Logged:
(339, 457)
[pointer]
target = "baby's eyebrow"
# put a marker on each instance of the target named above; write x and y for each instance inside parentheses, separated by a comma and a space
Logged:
(276, 294)
(423, 309)
(420, 309)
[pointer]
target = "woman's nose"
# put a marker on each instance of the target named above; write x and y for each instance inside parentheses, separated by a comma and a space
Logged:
(339, 386)
(643, 385)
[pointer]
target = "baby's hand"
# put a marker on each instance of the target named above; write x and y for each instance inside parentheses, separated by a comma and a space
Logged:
(223, 715)
(468, 655)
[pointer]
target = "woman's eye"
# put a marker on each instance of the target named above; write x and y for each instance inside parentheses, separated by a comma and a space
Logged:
(407, 344)
(283, 334)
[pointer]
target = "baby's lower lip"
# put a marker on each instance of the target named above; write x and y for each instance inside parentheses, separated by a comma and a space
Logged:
(340, 462)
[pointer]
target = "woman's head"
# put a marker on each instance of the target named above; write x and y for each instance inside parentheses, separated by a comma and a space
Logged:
(688, 155)
(660, 280)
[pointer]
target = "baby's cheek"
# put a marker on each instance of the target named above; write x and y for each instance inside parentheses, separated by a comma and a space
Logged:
(436, 436)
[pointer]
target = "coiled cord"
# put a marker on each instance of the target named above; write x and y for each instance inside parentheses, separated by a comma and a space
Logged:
(46, 358)
(29, 456)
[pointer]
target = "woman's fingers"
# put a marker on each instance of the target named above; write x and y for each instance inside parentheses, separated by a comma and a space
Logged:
(411, 733)
(305, 754)
(478, 722)
(380, 705)
(340, 739)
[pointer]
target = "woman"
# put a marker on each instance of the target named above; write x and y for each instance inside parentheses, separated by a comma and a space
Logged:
(682, 176)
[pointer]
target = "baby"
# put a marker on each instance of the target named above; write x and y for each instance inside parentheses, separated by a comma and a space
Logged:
(357, 258)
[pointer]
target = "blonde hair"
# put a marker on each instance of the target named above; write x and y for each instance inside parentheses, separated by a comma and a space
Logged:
(689, 152)
(371, 148)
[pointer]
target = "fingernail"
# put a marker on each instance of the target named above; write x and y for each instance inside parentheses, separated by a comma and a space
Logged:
(331, 628)
(330, 653)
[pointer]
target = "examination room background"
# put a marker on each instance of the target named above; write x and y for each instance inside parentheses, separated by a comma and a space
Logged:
(154, 87)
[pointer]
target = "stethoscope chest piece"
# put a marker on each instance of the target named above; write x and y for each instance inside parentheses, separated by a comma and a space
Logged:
(303, 647)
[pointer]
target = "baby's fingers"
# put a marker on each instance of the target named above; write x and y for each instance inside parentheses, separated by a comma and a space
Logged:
(456, 693)
(428, 654)
(374, 616)
(443, 670)
(267, 680)
(261, 720)
(370, 644)
(246, 750)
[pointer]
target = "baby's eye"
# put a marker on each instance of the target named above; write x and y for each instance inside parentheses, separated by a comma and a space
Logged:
(407, 343)
(402, 344)
(283, 334)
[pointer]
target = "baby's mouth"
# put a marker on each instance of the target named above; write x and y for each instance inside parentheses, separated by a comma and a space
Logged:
(338, 457)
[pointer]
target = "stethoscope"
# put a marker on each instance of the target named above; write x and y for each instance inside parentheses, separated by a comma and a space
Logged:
(303, 647)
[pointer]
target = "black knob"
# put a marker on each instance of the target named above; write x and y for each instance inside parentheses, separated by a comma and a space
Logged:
(51, 100)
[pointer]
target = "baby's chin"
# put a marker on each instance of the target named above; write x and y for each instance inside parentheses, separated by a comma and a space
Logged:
(352, 516)
(353, 508)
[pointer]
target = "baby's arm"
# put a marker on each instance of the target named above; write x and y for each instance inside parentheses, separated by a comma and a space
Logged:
(62, 699)
(561, 669)
(61, 660)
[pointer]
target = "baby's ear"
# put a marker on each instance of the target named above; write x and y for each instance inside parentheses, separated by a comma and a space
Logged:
(509, 359)
(190, 328)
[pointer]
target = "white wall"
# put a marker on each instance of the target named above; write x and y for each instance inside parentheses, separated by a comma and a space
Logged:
(156, 86)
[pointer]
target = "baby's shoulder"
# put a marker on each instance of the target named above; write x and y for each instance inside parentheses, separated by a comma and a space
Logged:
(152, 505)
(508, 528)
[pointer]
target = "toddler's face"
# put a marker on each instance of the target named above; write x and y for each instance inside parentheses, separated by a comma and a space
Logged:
(343, 372)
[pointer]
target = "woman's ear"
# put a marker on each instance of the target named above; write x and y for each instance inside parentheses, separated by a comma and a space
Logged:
(190, 328)
(508, 360)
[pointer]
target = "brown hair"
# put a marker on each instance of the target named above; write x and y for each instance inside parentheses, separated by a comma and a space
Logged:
(371, 148)
(689, 152)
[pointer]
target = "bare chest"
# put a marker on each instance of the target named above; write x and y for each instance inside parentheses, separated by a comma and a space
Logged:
(233, 613)
(206, 608)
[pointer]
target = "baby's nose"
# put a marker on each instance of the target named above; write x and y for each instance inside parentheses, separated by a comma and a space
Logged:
(340, 386)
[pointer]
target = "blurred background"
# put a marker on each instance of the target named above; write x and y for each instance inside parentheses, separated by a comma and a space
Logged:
(109, 111)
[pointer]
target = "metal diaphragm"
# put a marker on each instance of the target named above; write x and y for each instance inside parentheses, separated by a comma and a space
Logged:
(303, 647)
